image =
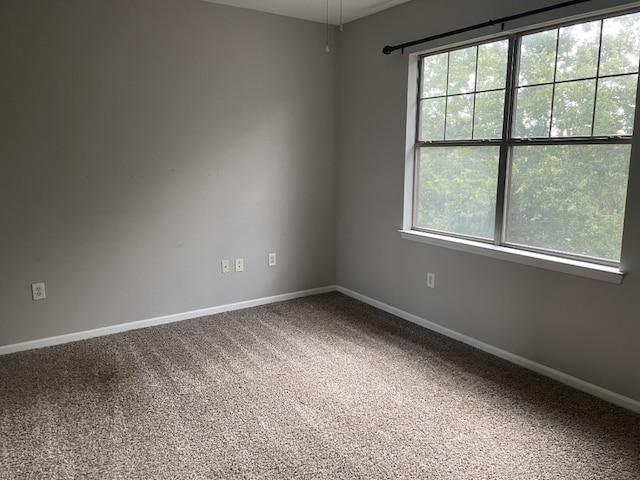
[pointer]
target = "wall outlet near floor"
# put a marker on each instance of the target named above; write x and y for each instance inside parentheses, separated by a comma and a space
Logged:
(239, 265)
(38, 292)
(272, 259)
(225, 266)
(431, 280)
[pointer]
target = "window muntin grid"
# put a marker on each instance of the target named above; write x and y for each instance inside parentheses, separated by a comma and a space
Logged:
(559, 101)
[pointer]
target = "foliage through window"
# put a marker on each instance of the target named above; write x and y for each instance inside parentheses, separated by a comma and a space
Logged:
(525, 141)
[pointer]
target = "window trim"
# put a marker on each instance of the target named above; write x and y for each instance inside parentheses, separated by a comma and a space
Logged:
(507, 252)
(549, 262)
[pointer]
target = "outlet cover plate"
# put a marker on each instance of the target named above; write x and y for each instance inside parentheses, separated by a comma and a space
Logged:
(225, 266)
(38, 292)
(431, 280)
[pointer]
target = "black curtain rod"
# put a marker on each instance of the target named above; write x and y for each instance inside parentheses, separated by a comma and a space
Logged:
(389, 49)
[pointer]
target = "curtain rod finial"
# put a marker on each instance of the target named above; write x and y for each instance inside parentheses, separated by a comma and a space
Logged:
(387, 50)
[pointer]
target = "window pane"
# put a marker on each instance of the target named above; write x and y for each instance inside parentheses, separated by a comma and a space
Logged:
(457, 190)
(569, 198)
(533, 113)
(488, 115)
(620, 44)
(434, 75)
(537, 58)
(578, 48)
(492, 65)
(459, 117)
(565, 193)
(432, 120)
(616, 105)
(462, 70)
(573, 109)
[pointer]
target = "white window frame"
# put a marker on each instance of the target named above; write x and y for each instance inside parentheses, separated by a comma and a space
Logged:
(564, 264)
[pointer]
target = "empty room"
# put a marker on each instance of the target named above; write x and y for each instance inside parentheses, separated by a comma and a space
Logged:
(334, 239)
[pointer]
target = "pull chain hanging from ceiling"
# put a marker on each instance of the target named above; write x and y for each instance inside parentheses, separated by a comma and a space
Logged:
(326, 47)
(340, 26)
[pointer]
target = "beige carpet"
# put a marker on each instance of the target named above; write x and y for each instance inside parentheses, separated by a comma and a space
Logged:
(319, 387)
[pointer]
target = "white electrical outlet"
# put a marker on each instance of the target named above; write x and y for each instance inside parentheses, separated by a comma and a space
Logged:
(239, 265)
(431, 280)
(225, 266)
(272, 259)
(38, 292)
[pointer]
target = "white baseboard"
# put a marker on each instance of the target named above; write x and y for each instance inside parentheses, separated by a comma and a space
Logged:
(574, 382)
(98, 332)
(595, 390)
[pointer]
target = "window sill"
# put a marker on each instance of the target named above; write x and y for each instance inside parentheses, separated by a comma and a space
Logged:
(572, 267)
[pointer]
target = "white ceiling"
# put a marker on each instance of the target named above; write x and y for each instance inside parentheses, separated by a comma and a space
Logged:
(316, 10)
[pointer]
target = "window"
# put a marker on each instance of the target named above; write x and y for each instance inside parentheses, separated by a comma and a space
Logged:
(524, 142)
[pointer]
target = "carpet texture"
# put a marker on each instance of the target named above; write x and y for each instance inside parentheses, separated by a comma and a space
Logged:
(322, 387)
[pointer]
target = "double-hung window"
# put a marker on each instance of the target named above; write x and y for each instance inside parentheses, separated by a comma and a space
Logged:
(524, 141)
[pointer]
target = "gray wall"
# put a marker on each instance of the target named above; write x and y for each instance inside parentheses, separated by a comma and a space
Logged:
(585, 328)
(143, 141)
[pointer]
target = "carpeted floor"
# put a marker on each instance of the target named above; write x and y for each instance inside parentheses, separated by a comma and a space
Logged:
(319, 387)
